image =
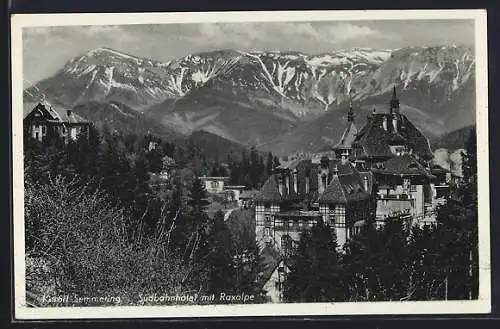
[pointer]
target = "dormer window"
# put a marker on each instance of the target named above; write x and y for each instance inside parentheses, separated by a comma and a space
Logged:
(398, 149)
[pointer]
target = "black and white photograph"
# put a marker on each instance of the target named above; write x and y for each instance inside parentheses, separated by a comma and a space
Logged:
(244, 164)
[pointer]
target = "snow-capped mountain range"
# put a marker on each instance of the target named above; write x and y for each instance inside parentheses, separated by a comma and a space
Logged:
(223, 91)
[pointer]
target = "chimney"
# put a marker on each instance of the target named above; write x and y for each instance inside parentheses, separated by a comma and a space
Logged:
(322, 181)
(280, 185)
(335, 170)
(384, 123)
(287, 180)
(295, 181)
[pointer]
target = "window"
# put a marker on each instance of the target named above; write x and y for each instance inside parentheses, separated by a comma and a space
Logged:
(413, 188)
(259, 221)
(340, 216)
(44, 130)
(267, 221)
(214, 184)
(267, 231)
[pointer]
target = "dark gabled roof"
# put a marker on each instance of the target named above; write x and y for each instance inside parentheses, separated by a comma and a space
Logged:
(343, 189)
(269, 191)
(404, 165)
(348, 136)
(45, 112)
(373, 141)
(248, 194)
(349, 180)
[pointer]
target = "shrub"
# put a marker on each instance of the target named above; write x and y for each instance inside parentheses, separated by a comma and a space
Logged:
(77, 244)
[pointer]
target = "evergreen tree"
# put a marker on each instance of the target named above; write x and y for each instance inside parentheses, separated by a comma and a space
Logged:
(254, 167)
(457, 233)
(269, 164)
(198, 200)
(469, 169)
(314, 269)
(393, 266)
(363, 254)
(425, 277)
(218, 260)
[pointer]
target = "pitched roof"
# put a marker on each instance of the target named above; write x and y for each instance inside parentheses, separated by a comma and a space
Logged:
(348, 136)
(404, 164)
(248, 194)
(44, 111)
(343, 189)
(373, 141)
(348, 178)
(269, 191)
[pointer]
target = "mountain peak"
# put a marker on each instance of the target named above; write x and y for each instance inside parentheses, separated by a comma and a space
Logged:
(104, 51)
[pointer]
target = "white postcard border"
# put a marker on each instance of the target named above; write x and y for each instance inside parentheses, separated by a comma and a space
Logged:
(482, 305)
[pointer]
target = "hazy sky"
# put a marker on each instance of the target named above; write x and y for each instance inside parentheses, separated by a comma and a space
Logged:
(46, 49)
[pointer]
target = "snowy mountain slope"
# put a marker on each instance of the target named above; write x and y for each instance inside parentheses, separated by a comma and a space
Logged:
(258, 97)
(105, 75)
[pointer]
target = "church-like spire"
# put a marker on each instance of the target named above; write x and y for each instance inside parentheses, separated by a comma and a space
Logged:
(394, 104)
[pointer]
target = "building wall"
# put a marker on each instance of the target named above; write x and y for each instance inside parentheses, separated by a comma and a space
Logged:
(264, 221)
(418, 195)
(289, 229)
(37, 131)
(234, 195)
(274, 286)
(40, 131)
(419, 199)
(214, 185)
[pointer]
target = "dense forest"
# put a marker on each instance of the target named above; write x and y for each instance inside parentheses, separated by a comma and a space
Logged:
(95, 226)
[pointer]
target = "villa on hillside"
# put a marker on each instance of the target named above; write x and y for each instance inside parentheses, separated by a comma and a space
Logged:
(214, 184)
(44, 123)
